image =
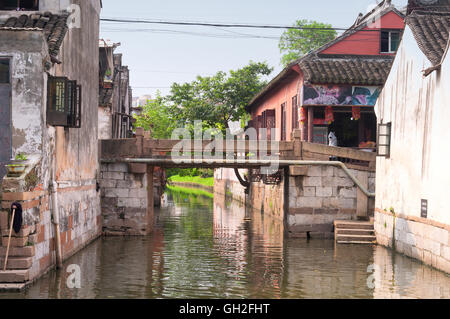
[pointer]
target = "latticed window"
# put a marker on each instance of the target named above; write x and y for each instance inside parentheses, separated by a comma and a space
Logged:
(63, 102)
(384, 140)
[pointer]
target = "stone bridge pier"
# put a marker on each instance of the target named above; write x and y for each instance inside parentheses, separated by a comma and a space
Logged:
(127, 199)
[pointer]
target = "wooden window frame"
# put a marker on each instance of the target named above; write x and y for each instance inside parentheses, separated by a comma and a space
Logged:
(390, 32)
(283, 122)
(295, 124)
(63, 110)
(388, 136)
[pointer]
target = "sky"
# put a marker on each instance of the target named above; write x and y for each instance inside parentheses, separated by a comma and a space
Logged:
(159, 55)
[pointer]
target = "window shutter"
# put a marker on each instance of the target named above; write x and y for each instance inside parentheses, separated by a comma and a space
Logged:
(57, 101)
(63, 102)
(77, 123)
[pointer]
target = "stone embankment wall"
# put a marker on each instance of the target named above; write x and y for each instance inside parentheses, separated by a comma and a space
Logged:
(315, 197)
(125, 199)
(418, 238)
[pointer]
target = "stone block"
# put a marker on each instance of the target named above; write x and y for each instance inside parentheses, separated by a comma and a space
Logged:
(15, 241)
(312, 181)
(138, 193)
(129, 183)
(14, 276)
(445, 252)
(309, 191)
(18, 252)
(17, 263)
(113, 175)
(314, 171)
(300, 211)
(427, 257)
(303, 219)
(330, 202)
(439, 235)
(324, 191)
(312, 202)
(328, 171)
(137, 168)
(410, 239)
(118, 167)
(443, 264)
(130, 202)
(347, 203)
(117, 192)
(4, 219)
(298, 170)
(108, 183)
(348, 192)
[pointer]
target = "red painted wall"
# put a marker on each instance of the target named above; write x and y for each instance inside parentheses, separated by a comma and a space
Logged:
(289, 87)
(367, 42)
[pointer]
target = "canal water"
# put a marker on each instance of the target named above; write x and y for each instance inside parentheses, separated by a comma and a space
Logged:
(203, 248)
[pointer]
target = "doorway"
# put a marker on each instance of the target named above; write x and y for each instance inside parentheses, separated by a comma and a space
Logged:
(5, 115)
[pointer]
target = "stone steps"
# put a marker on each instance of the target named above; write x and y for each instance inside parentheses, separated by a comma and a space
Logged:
(352, 224)
(354, 232)
(17, 252)
(19, 263)
(355, 238)
(14, 276)
(343, 231)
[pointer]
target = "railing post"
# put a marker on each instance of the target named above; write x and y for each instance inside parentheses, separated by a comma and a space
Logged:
(297, 139)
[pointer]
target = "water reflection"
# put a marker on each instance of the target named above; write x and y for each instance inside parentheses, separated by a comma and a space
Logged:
(203, 248)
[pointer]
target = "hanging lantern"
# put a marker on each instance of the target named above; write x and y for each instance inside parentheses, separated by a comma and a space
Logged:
(356, 113)
(329, 116)
(303, 116)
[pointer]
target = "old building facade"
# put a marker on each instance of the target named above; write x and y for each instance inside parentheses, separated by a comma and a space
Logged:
(334, 88)
(115, 100)
(50, 96)
(412, 212)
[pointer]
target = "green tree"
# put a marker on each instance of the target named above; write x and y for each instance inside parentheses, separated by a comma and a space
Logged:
(158, 117)
(216, 100)
(295, 43)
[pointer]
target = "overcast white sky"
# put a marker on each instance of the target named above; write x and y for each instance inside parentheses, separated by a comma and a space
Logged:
(157, 58)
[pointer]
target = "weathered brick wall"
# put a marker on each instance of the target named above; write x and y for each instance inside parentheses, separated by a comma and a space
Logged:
(33, 249)
(319, 195)
(124, 201)
(424, 240)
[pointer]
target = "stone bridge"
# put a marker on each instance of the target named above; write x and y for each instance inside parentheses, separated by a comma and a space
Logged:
(128, 167)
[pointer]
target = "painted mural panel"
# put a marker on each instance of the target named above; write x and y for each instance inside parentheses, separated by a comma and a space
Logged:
(340, 95)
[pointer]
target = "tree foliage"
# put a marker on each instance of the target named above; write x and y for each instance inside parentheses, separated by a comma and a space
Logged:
(295, 43)
(158, 117)
(216, 100)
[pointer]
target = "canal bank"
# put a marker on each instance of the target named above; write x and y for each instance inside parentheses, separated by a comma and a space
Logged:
(203, 248)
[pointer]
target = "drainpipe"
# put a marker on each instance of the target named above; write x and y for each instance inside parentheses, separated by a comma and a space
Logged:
(55, 216)
(254, 163)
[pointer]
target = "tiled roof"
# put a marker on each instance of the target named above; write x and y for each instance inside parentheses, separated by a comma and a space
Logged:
(346, 70)
(54, 27)
(431, 31)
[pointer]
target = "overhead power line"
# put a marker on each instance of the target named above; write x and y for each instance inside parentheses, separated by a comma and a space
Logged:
(226, 25)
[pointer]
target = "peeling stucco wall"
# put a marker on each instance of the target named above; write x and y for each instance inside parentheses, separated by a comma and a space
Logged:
(27, 51)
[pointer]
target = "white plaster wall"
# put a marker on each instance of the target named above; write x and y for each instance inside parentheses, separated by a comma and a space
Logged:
(419, 110)
(104, 123)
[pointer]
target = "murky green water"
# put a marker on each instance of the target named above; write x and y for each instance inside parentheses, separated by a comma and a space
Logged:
(203, 248)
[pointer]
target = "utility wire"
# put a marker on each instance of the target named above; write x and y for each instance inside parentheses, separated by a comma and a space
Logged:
(223, 25)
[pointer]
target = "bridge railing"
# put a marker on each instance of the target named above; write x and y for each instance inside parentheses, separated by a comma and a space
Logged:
(145, 147)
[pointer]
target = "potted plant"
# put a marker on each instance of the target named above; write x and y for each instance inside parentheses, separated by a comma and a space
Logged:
(17, 166)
